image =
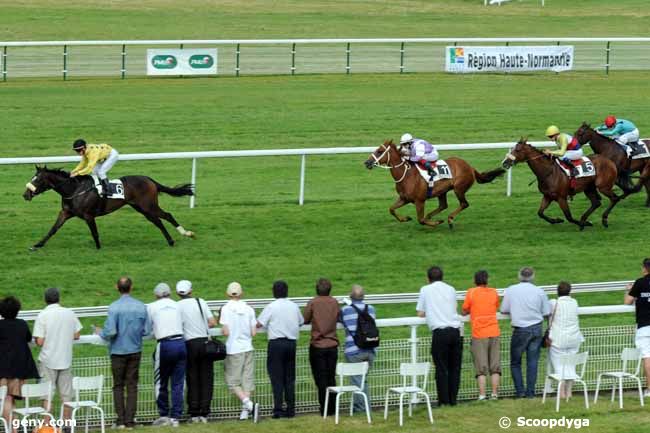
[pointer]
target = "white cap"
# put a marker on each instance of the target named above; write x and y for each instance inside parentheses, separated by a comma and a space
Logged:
(161, 289)
(234, 289)
(405, 138)
(184, 287)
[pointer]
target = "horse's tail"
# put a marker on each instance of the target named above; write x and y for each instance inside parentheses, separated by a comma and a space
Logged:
(177, 191)
(488, 176)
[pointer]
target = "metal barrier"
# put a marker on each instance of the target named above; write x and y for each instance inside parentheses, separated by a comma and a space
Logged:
(604, 345)
(194, 156)
(293, 56)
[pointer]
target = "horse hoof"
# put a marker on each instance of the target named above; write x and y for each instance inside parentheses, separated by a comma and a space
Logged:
(557, 221)
(171, 243)
(605, 224)
(35, 247)
(190, 235)
(451, 225)
(405, 219)
(587, 224)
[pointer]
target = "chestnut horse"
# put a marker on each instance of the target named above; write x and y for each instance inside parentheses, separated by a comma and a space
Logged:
(554, 184)
(610, 149)
(79, 198)
(412, 188)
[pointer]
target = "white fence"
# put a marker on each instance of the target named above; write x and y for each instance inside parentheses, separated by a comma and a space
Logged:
(604, 345)
(194, 156)
(294, 56)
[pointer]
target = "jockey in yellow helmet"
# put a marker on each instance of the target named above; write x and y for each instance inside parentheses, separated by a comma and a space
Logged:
(569, 149)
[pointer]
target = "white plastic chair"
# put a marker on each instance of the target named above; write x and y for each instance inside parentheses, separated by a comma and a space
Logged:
(577, 361)
(3, 396)
(94, 383)
(408, 371)
(346, 370)
(628, 354)
(40, 391)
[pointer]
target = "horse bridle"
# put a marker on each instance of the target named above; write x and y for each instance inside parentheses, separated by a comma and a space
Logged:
(387, 166)
(30, 186)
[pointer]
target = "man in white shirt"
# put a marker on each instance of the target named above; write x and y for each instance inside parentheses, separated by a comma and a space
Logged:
(438, 305)
(527, 306)
(282, 319)
(55, 330)
(170, 357)
(239, 325)
(197, 319)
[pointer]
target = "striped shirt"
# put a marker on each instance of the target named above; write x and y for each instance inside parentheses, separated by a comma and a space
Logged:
(349, 320)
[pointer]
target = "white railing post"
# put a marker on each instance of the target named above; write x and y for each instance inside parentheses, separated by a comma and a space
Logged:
(301, 198)
(414, 357)
(509, 182)
(193, 182)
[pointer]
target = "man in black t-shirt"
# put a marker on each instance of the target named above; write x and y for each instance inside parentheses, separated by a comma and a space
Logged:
(639, 295)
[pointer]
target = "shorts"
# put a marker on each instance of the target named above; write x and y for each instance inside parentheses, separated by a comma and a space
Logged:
(239, 371)
(487, 355)
(61, 380)
(13, 386)
(642, 341)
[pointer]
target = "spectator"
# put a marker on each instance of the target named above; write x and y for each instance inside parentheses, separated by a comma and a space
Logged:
(352, 352)
(197, 319)
(124, 328)
(437, 303)
(322, 313)
(170, 357)
(282, 319)
(639, 295)
(16, 362)
(482, 304)
(527, 306)
(55, 330)
(240, 326)
(564, 332)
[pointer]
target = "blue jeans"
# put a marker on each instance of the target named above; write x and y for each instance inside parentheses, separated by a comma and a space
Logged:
(527, 340)
(368, 356)
(173, 359)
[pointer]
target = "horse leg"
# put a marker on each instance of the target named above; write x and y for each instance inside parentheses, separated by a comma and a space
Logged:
(156, 221)
(419, 207)
(564, 205)
(90, 221)
(613, 201)
(442, 205)
(460, 195)
(64, 215)
(546, 201)
(170, 218)
(398, 204)
(594, 198)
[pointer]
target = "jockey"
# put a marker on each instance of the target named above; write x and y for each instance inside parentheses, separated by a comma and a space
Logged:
(420, 152)
(569, 147)
(621, 130)
(96, 159)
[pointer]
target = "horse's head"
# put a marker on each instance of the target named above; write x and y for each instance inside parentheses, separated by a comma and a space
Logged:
(517, 154)
(43, 180)
(382, 155)
(584, 133)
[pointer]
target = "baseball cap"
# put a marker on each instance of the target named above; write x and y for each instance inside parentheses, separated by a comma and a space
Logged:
(161, 289)
(183, 287)
(234, 289)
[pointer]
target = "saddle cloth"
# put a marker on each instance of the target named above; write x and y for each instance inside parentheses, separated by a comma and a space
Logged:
(443, 171)
(584, 165)
(640, 149)
(115, 185)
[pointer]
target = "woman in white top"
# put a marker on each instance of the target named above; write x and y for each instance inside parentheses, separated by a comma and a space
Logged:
(565, 334)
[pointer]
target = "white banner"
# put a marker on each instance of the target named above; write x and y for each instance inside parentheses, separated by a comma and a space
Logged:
(509, 59)
(195, 61)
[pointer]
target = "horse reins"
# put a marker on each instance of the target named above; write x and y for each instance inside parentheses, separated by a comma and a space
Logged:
(388, 166)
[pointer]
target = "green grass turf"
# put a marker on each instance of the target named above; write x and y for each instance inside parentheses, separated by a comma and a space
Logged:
(201, 19)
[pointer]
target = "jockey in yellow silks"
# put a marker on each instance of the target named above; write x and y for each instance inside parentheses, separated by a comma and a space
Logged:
(97, 159)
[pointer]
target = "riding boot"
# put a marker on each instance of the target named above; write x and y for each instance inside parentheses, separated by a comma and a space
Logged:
(105, 187)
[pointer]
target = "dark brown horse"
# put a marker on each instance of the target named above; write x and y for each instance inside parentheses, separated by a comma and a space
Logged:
(412, 188)
(555, 185)
(612, 150)
(79, 198)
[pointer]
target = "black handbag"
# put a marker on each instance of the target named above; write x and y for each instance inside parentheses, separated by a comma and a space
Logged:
(213, 348)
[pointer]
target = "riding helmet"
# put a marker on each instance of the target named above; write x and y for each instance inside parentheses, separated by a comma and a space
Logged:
(610, 121)
(552, 130)
(79, 144)
(406, 138)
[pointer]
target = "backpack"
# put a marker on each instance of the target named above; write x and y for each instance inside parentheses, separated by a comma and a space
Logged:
(367, 333)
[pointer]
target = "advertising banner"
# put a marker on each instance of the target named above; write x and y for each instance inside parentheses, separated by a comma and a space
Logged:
(554, 58)
(195, 61)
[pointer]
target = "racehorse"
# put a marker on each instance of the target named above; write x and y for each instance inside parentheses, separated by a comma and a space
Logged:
(612, 150)
(556, 186)
(79, 198)
(412, 188)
